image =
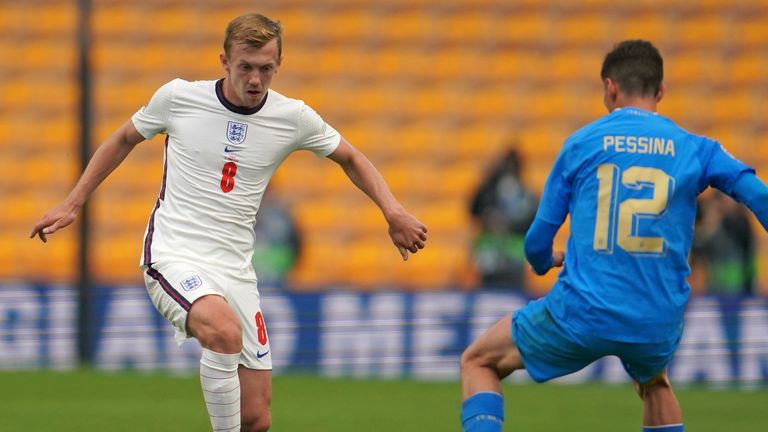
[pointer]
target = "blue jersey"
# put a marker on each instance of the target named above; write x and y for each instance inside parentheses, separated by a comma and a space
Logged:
(629, 182)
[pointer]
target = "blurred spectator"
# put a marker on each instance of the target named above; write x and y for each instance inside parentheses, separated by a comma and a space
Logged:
(503, 209)
(724, 246)
(723, 253)
(277, 242)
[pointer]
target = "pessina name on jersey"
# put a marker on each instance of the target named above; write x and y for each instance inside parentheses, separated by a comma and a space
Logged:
(640, 145)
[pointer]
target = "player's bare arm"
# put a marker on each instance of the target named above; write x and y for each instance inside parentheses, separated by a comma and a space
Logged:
(407, 233)
(106, 158)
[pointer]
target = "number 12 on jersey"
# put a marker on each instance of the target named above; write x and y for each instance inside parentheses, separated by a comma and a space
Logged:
(618, 223)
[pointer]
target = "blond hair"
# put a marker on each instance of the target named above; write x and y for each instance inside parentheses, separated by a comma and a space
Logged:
(255, 30)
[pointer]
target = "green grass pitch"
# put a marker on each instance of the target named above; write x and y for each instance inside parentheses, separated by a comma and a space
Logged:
(96, 401)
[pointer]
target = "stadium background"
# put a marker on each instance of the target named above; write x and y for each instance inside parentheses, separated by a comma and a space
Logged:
(432, 91)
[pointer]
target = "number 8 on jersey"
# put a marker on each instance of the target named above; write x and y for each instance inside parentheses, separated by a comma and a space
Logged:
(228, 176)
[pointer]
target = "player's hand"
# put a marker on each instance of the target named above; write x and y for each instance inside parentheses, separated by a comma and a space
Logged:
(558, 257)
(56, 218)
(407, 233)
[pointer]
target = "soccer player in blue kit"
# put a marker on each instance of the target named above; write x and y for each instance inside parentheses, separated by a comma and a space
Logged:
(629, 181)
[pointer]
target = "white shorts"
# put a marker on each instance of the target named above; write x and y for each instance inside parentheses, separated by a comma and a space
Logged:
(174, 287)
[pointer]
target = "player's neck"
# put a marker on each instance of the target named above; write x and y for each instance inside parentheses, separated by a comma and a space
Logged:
(229, 92)
(642, 103)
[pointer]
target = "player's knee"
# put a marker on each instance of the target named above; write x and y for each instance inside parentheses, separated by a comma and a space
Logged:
(225, 337)
(230, 336)
(260, 422)
(658, 383)
(471, 357)
(213, 323)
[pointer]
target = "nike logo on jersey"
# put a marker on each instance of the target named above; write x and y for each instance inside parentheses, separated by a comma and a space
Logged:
(231, 150)
(260, 355)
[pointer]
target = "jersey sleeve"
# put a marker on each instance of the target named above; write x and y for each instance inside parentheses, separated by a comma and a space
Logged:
(315, 134)
(553, 207)
(721, 169)
(752, 192)
(538, 245)
(152, 119)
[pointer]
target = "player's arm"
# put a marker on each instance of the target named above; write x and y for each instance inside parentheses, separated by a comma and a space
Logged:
(752, 192)
(106, 158)
(552, 211)
(736, 179)
(538, 246)
(407, 233)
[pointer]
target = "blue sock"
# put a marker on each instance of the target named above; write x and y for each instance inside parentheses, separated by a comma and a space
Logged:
(665, 428)
(483, 412)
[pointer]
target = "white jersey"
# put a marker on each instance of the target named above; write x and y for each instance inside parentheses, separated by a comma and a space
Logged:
(218, 160)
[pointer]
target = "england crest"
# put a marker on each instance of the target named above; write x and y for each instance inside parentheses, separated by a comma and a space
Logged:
(236, 132)
(191, 282)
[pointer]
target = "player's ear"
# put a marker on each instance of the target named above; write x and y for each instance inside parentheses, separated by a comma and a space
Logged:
(609, 94)
(224, 61)
(661, 93)
(611, 88)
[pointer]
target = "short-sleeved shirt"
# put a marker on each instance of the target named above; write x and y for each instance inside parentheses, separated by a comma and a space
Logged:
(629, 182)
(218, 160)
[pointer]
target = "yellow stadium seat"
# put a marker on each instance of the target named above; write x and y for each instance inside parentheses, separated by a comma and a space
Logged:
(57, 18)
(51, 19)
(574, 66)
(408, 26)
(59, 134)
(751, 32)
(480, 141)
(116, 20)
(46, 54)
(702, 30)
(528, 28)
(583, 28)
(461, 179)
(446, 218)
(734, 106)
(467, 25)
(698, 66)
(748, 67)
(116, 258)
(173, 21)
(652, 26)
(350, 25)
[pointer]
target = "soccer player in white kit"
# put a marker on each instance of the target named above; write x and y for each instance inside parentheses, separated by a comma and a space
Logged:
(224, 141)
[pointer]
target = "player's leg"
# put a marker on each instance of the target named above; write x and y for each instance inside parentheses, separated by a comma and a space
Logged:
(661, 410)
(191, 299)
(647, 364)
(213, 323)
(490, 358)
(256, 398)
(530, 339)
(484, 363)
(255, 358)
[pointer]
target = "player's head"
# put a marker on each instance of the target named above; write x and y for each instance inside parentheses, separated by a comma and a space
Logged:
(633, 70)
(254, 30)
(253, 46)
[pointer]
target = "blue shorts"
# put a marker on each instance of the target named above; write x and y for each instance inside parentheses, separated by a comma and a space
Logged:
(550, 350)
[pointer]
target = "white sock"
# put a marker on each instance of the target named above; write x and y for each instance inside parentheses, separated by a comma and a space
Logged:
(221, 389)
